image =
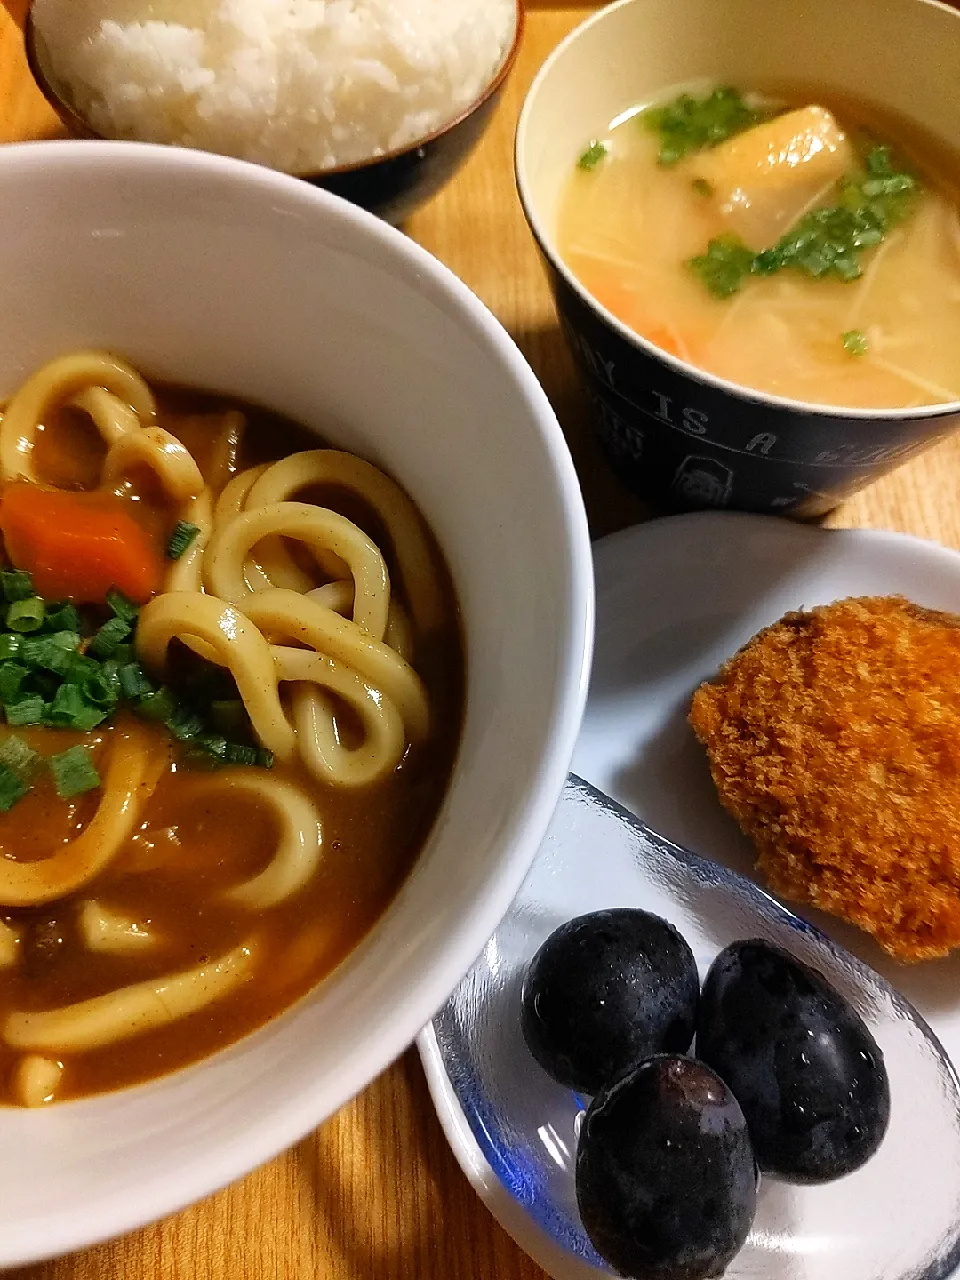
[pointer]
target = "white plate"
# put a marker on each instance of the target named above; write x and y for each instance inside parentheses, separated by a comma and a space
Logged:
(674, 599)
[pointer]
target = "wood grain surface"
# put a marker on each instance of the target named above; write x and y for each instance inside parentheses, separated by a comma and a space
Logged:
(375, 1194)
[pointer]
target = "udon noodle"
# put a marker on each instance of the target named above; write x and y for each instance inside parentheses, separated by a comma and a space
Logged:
(170, 908)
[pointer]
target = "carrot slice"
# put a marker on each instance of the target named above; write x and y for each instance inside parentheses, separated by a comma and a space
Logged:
(78, 545)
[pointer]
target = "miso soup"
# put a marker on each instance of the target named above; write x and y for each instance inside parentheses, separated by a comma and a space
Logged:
(790, 245)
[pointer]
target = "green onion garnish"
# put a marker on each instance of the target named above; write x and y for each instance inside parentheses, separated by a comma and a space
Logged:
(71, 709)
(26, 614)
(12, 788)
(134, 682)
(74, 772)
(689, 124)
(183, 534)
(157, 706)
(18, 757)
(121, 607)
(213, 743)
(51, 675)
(15, 585)
(102, 690)
(855, 342)
(185, 723)
(593, 155)
(56, 653)
(111, 634)
(28, 710)
(62, 617)
(12, 676)
(825, 243)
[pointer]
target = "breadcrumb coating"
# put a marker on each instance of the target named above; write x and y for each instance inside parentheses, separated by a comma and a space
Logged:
(833, 738)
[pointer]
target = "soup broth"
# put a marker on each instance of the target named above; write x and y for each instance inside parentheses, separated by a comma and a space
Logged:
(188, 890)
(630, 227)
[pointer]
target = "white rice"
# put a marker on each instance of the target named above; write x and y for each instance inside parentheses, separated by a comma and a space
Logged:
(299, 85)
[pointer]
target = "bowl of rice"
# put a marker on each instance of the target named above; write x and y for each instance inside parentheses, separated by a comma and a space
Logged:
(379, 101)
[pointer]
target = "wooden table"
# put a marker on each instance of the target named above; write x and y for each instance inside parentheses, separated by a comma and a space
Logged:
(375, 1194)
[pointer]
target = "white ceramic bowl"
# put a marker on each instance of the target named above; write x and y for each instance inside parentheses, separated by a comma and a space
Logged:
(213, 273)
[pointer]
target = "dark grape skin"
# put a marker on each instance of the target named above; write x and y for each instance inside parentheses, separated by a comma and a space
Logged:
(806, 1071)
(665, 1177)
(606, 990)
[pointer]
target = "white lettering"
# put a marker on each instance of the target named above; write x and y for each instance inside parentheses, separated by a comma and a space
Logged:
(764, 442)
(695, 421)
(663, 412)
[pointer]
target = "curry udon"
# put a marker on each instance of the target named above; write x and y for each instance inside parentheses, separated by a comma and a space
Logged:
(231, 674)
(806, 249)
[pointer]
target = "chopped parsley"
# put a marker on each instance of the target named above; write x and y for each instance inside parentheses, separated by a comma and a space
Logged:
(855, 342)
(825, 243)
(689, 124)
(593, 155)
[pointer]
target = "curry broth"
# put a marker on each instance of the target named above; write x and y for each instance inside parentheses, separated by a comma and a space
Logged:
(193, 844)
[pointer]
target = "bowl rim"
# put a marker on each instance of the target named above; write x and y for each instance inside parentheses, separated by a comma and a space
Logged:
(77, 125)
(767, 400)
(292, 1115)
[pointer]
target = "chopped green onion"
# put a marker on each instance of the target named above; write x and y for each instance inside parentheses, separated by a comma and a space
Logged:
(593, 155)
(12, 676)
(825, 243)
(74, 772)
(213, 743)
(102, 690)
(121, 607)
(185, 723)
(123, 654)
(134, 683)
(110, 676)
(723, 266)
(26, 614)
(690, 124)
(855, 342)
(27, 711)
(104, 643)
(9, 646)
(264, 758)
(157, 706)
(183, 534)
(15, 584)
(70, 709)
(62, 617)
(12, 788)
(18, 757)
(240, 753)
(55, 653)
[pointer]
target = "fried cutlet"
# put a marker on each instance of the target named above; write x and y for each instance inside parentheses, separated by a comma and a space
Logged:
(833, 738)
